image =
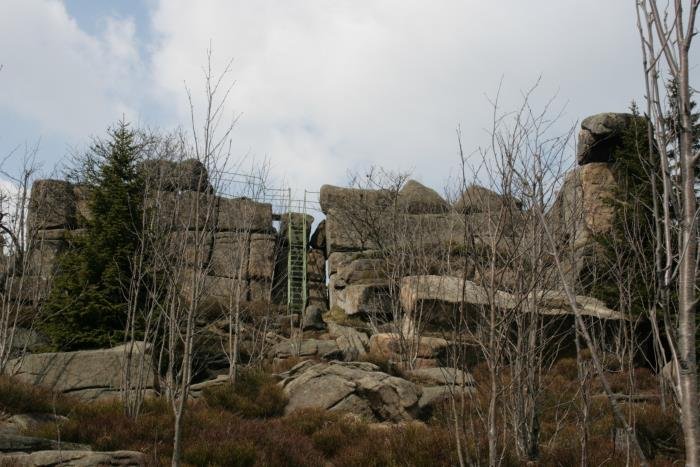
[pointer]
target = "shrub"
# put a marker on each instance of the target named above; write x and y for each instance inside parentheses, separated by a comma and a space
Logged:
(345, 430)
(17, 397)
(234, 453)
(410, 444)
(254, 395)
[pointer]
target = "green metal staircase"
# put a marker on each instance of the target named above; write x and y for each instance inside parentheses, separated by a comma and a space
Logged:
(297, 244)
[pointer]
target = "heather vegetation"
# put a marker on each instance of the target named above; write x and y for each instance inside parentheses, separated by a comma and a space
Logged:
(245, 425)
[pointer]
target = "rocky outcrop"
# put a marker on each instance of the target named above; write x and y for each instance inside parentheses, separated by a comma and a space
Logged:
(186, 175)
(477, 199)
(416, 198)
(339, 343)
(423, 352)
(51, 206)
(438, 294)
(86, 374)
(14, 443)
(72, 458)
(600, 135)
(318, 238)
(356, 387)
(312, 319)
(350, 341)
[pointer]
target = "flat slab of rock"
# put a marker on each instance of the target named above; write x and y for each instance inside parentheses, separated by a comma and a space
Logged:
(87, 374)
(304, 348)
(442, 376)
(432, 395)
(356, 387)
(19, 443)
(350, 341)
(448, 290)
(69, 458)
(389, 345)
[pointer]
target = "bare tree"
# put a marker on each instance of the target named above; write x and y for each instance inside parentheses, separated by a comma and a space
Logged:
(19, 293)
(666, 34)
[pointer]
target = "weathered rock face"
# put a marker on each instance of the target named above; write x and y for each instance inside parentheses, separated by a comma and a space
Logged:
(415, 198)
(355, 387)
(87, 374)
(600, 135)
(333, 197)
(229, 255)
(424, 352)
(187, 175)
(351, 342)
(312, 319)
(51, 206)
(232, 239)
(598, 186)
(432, 293)
(71, 458)
(339, 343)
(317, 292)
(14, 443)
(477, 199)
(191, 210)
(318, 238)
(366, 299)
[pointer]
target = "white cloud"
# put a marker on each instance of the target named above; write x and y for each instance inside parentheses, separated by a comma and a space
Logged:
(322, 87)
(328, 86)
(61, 79)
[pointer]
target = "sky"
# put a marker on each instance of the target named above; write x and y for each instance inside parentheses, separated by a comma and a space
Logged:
(321, 88)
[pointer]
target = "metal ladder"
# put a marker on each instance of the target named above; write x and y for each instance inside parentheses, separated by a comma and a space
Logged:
(296, 258)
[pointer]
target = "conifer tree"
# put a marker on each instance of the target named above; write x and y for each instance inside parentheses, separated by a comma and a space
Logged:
(87, 305)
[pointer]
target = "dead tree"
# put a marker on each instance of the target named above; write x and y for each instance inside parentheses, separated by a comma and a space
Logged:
(666, 33)
(19, 293)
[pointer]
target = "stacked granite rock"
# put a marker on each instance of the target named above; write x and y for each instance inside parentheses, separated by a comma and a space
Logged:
(231, 239)
(370, 231)
(584, 209)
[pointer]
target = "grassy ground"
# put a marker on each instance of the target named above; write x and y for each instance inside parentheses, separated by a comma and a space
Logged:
(245, 426)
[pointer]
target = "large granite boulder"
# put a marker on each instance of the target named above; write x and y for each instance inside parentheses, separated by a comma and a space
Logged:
(87, 374)
(261, 260)
(83, 213)
(361, 271)
(598, 186)
(419, 352)
(476, 199)
(600, 135)
(229, 255)
(416, 198)
(318, 348)
(355, 387)
(318, 238)
(12, 443)
(191, 210)
(444, 292)
(243, 214)
(191, 248)
(312, 319)
(71, 458)
(316, 266)
(51, 205)
(368, 299)
(352, 199)
(350, 341)
(187, 175)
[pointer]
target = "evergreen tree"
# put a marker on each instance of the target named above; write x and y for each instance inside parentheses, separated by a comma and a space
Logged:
(87, 305)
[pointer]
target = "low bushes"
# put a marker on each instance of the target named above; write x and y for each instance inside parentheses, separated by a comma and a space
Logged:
(255, 395)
